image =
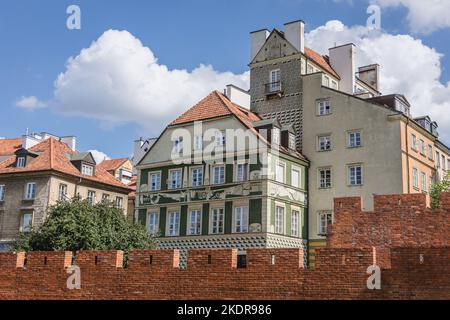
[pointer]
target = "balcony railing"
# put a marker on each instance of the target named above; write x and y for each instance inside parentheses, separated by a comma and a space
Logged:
(273, 88)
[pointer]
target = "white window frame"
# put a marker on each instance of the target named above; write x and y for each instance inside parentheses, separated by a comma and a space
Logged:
(198, 142)
(220, 138)
(295, 222)
(413, 142)
(23, 226)
(324, 218)
(298, 183)
(91, 196)
(241, 216)
(217, 226)
(30, 191)
(174, 217)
(157, 175)
(199, 176)
(292, 141)
(194, 226)
(279, 219)
(119, 202)
(275, 80)
(276, 136)
(153, 222)
(325, 142)
(415, 173)
(277, 177)
(177, 145)
(220, 181)
(424, 181)
(179, 180)
(87, 169)
(323, 107)
(20, 162)
(353, 180)
(325, 185)
(62, 192)
(352, 140)
(2, 192)
(242, 174)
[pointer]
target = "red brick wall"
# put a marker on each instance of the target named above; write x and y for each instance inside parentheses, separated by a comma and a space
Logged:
(409, 242)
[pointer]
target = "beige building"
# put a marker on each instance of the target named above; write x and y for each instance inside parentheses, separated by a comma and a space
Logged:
(37, 171)
(358, 141)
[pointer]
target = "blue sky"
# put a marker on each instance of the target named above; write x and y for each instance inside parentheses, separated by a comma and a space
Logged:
(181, 34)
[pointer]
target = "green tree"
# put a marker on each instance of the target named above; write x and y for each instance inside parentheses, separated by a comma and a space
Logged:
(78, 225)
(437, 188)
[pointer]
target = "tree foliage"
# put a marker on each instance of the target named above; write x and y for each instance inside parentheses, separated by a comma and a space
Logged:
(437, 188)
(78, 225)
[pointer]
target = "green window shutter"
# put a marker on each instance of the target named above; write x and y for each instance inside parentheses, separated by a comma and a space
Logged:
(162, 221)
(144, 176)
(205, 218)
(183, 220)
(229, 173)
(228, 216)
(142, 217)
(255, 211)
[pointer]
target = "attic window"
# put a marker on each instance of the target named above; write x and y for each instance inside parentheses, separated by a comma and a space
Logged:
(276, 136)
(292, 144)
(87, 170)
(20, 162)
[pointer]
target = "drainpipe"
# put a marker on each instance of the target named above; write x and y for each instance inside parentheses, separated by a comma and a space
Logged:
(407, 155)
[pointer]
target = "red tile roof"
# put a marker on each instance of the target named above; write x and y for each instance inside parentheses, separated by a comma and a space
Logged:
(10, 146)
(54, 155)
(112, 164)
(217, 105)
(322, 61)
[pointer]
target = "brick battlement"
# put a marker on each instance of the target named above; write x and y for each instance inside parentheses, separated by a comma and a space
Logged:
(409, 242)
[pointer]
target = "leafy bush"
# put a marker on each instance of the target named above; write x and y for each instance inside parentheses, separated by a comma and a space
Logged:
(437, 188)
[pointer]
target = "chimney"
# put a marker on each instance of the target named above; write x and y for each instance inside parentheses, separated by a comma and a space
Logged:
(71, 141)
(342, 59)
(258, 38)
(370, 75)
(294, 32)
(238, 96)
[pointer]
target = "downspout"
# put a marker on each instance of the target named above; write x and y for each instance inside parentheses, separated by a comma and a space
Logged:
(407, 155)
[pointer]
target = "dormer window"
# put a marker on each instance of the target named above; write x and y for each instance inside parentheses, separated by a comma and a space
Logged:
(276, 136)
(292, 144)
(20, 162)
(87, 170)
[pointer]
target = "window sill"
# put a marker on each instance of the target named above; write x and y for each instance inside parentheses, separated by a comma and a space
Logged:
(354, 147)
(355, 185)
(325, 150)
(325, 188)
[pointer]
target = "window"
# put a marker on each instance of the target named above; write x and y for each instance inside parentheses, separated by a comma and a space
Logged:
(153, 222)
(443, 162)
(355, 175)
(295, 218)
(438, 160)
(155, 181)
(422, 146)
(276, 136)
(275, 83)
(325, 219)
(309, 69)
(324, 178)
(354, 139)
(241, 219)
(197, 177)
(219, 174)
(413, 142)
(324, 143)
(292, 142)
(175, 179)
(415, 178)
(279, 220)
(242, 172)
(424, 182)
(220, 138)
(430, 152)
(119, 202)
(30, 191)
(280, 172)
(178, 145)
(198, 142)
(20, 162)
(2, 192)
(323, 107)
(326, 81)
(295, 178)
(105, 197)
(91, 196)
(87, 170)
(26, 222)
(195, 222)
(174, 223)
(62, 192)
(334, 85)
(217, 221)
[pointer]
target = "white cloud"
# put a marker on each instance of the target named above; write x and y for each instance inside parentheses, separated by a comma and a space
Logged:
(424, 16)
(99, 156)
(408, 67)
(118, 80)
(30, 102)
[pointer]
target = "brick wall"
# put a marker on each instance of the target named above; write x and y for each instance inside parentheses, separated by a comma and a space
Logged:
(417, 270)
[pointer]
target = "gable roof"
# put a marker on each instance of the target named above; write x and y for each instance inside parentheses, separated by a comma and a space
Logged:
(56, 156)
(322, 61)
(217, 105)
(112, 164)
(10, 146)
